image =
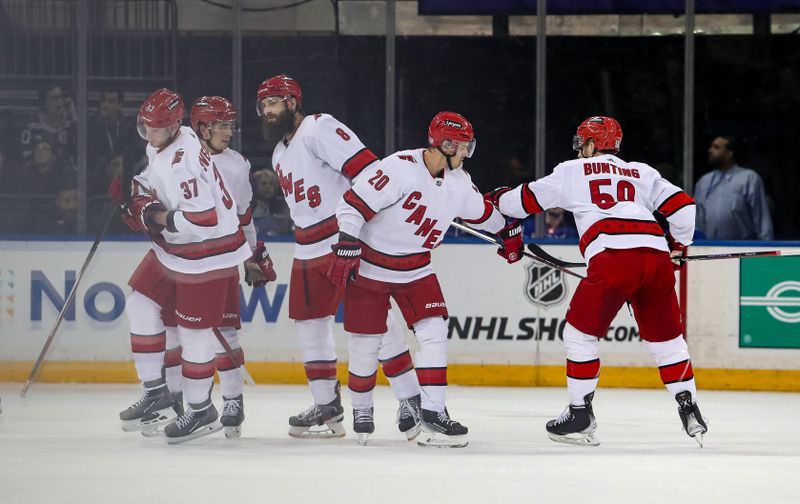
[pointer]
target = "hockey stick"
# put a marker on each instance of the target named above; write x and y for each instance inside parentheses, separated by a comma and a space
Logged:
(729, 255)
(67, 302)
(229, 351)
(489, 239)
(539, 251)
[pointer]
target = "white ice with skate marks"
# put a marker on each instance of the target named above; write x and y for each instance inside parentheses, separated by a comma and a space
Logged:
(63, 444)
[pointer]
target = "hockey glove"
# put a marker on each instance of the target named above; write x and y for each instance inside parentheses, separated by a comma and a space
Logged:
(138, 214)
(347, 257)
(511, 250)
(258, 270)
(493, 196)
(676, 251)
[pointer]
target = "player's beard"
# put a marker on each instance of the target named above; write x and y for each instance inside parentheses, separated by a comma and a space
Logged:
(282, 126)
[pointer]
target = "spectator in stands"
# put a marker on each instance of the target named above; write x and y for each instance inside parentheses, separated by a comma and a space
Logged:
(60, 215)
(55, 125)
(109, 130)
(106, 169)
(558, 225)
(42, 172)
(270, 213)
(731, 202)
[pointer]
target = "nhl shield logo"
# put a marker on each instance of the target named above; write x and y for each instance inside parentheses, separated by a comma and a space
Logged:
(545, 286)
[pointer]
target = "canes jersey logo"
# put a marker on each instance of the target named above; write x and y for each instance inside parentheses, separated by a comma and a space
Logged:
(545, 286)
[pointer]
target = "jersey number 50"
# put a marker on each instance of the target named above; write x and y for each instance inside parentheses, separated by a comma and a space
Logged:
(625, 192)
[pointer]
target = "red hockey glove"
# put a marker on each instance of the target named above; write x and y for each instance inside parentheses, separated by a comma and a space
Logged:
(347, 257)
(258, 270)
(511, 250)
(676, 250)
(138, 214)
(493, 196)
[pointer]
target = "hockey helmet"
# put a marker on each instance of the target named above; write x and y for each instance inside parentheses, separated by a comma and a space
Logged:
(280, 85)
(448, 128)
(604, 131)
(162, 109)
(210, 109)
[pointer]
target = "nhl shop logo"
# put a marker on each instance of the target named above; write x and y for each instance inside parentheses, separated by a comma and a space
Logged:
(545, 286)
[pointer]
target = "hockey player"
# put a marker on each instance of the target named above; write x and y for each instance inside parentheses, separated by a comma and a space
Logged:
(213, 119)
(629, 260)
(393, 218)
(315, 159)
(190, 278)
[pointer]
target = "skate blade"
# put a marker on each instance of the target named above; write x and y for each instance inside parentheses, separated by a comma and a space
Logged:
(438, 440)
(202, 431)
(328, 430)
(413, 432)
(362, 438)
(233, 432)
(589, 439)
(157, 431)
(155, 420)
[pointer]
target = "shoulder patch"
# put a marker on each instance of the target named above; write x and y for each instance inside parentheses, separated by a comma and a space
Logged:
(408, 158)
(178, 156)
(317, 116)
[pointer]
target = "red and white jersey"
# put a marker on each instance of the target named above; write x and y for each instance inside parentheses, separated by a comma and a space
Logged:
(313, 169)
(203, 232)
(400, 213)
(613, 202)
(235, 171)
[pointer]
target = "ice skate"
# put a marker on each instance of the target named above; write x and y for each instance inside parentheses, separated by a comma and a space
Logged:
(158, 430)
(576, 425)
(233, 416)
(153, 409)
(320, 420)
(439, 430)
(693, 422)
(198, 420)
(363, 424)
(408, 417)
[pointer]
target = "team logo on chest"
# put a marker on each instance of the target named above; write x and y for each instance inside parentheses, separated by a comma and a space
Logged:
(544, 286)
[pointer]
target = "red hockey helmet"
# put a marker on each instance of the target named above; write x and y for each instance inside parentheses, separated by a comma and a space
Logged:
(448, 127)
(210, 109)
(161, 109)
(604, 131)
(280, 85)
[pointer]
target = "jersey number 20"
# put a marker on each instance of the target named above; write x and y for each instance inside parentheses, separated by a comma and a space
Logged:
(625, 192)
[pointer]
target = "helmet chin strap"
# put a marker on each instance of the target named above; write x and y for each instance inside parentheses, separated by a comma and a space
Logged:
(447, 157)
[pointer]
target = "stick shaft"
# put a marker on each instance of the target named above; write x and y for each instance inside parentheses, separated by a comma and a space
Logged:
(67, 302)
(232, 356)
(730, 255)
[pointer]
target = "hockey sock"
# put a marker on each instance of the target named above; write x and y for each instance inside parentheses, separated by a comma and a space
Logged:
(396, 361)
(148, 338)
(319, 357)
(431, 360)
(674, 365)
(362, 368)
(198, 363)
(172, 361)
(583, 364)
(230, 374)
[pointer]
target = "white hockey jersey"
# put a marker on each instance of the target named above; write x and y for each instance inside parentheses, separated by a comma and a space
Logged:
(203, 232)
(310, 169)
(613, 202)
(235, 170)
(400, 213)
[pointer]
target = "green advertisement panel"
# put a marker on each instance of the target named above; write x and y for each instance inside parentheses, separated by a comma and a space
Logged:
(769, 302)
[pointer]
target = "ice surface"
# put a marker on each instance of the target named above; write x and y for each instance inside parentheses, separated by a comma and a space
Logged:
(62, 444)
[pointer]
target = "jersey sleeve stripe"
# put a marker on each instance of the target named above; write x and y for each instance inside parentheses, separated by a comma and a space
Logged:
(355, 201)
(247, 217)
(618, 227)
(207, 218)
(674, 203)
(488, 208)
(356, 164)
(529, 202)
(316, 233)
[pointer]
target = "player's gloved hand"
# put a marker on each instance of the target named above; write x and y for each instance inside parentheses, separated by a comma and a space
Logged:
(511, 250)
(347, 257)
(493, 196)
(676, 251)
(258, 270)
(139, 213)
